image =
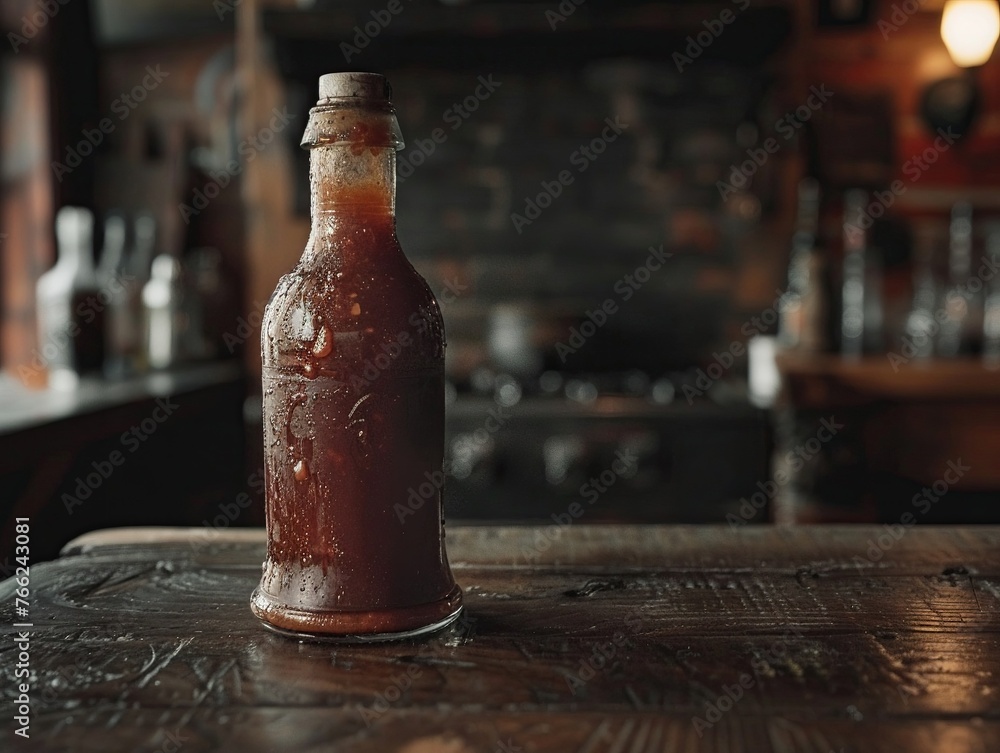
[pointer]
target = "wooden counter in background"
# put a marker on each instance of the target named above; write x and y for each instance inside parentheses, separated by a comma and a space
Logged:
(902, 423)
(159, 448)
(592, 639)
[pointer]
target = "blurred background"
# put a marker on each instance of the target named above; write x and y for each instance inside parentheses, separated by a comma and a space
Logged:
(752, 244)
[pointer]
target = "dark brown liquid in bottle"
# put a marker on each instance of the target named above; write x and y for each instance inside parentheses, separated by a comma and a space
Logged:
(353, 381)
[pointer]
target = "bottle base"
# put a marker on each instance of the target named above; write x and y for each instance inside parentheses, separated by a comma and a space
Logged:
(357, 627)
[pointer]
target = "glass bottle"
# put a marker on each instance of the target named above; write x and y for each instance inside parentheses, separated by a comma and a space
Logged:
(353, 400)
(165, 321)
(121, 331)
(991, 305)
(862, 316)
(852, 312)
(803, 313)
(918, 334)
(959, 305)
(70, 315)
(138, 271)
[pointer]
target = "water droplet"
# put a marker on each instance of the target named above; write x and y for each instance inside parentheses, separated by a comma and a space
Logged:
(309, 370)
(324, 342)
(356, 309)
(301, 470)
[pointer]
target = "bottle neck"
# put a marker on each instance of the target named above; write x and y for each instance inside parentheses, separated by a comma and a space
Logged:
(353, 182)
(78, 263)
(353, 202)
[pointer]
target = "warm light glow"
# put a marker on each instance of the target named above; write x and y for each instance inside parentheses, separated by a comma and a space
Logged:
(970, 29)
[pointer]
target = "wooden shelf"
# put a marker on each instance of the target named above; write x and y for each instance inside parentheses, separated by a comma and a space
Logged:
(833, 379)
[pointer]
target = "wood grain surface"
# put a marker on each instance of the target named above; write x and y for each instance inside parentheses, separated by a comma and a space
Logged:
(588, 639)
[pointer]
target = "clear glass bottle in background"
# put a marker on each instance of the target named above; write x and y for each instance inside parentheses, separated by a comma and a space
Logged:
(852, 304)
(862, 320)
(121, 328)
(921, 326)
(962, 308)
(803, 313)
(211, 304)
(874, 302)
(164, 314)
(353, 388)
(112, 260)
(140, 260)
(70, 316)
(991, 304)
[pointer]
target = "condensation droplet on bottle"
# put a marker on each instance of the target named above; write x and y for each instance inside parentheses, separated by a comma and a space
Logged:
(323, 343)
(309, 370)
(356, 309)
(301, 470)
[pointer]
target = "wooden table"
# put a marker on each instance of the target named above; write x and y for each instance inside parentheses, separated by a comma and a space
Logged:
(591, 640)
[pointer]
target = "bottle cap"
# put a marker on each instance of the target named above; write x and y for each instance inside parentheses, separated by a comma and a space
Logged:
(353, 108)
(371, 86)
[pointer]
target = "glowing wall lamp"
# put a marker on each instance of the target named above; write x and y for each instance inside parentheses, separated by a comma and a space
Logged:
(970, 29)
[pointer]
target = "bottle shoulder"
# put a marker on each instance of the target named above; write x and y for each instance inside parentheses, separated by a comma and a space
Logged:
(324, 313)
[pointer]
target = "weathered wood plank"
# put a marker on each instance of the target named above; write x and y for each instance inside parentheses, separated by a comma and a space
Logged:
(615, 639)
(279, 730)
(921, 549)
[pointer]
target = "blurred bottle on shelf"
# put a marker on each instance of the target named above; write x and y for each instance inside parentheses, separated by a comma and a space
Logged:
(138, 265)
(112, 260)
(861, 316)
(211, 307)
(70, 314)
(874, 311)
(165, 317)
(960, 306)
(143, 249)
(920, 325)
(803, 314)
(852, 311)
(121, 330)
(991, 304)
